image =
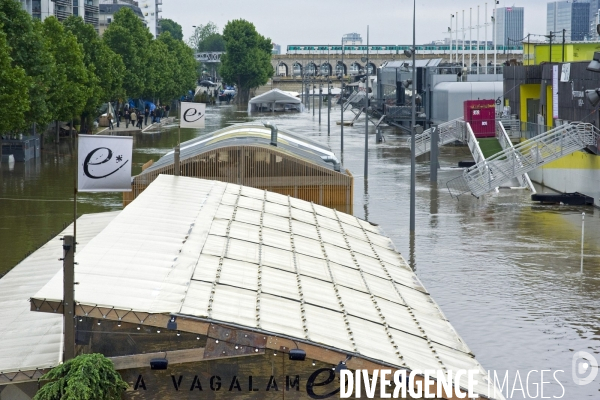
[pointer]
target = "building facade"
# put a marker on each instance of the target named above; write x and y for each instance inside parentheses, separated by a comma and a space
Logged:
(594, 19)
(509, 25)
(107, 12)
(573, 18)
(62, 9)
(351, 38)
(150, 12)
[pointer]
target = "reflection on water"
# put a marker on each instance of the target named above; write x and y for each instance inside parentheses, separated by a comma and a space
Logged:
(504, 270)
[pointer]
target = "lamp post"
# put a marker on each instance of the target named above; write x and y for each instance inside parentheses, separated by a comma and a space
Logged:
(450, 32)
(342, 103)
(414, 122)
(367, 110)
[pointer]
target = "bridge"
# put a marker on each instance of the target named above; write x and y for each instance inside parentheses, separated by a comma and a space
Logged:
(291, 65)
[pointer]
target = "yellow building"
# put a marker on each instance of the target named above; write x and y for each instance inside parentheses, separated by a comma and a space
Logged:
(538, 53)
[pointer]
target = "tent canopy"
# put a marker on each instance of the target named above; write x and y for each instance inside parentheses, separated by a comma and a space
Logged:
(275, 96)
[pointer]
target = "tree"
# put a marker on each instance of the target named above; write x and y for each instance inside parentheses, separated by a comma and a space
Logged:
(183, 76)
(13, 90)
(214, 42)
(85, 377)
(128, 37)
(68, 91)
(27, 50)
(247, 58)
(104, 66)
(201, 33)
(168, 25)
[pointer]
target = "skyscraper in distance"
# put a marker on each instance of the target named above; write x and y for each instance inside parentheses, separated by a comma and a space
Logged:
(509, 26)
(573, 18)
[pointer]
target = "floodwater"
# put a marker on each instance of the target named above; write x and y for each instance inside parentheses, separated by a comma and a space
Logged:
(504, 270)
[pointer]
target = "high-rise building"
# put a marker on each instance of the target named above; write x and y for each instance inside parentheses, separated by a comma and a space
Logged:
(150, 10)
(509, 26)
(62, 9)
(594, 19)
(573, 18)
(351, 38)
(108, 10)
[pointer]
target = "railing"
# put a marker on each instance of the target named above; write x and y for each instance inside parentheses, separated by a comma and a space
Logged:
(506, 143)
(448, 132)
(527, 156)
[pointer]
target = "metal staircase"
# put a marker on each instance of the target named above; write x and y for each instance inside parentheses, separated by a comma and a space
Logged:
(506, 143)
(449, 132)
(526, 156)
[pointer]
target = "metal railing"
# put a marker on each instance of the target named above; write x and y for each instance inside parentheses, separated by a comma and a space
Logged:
(449, 132)
(524, 157)
(506, 143)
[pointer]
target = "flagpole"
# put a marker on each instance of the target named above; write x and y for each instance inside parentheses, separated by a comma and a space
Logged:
(76, 150)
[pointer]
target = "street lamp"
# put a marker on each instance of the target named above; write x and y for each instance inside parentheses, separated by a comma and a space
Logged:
(413, 176)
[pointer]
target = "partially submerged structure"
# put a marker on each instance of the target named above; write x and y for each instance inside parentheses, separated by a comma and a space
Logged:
(260, 157)
(275, 100)
(212, 287)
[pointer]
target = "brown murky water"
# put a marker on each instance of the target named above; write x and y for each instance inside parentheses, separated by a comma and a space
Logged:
(505, 270)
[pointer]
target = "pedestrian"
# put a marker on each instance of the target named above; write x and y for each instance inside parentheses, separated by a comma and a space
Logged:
(133, 116)
(153, 116)
(146, 113)
(127, 118)
(167, 109)
(118, 117)
(109, 116)
(140, 120)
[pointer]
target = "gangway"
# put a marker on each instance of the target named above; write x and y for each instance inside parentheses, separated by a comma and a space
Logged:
(449, 132)
(526, 156)
(506, 143)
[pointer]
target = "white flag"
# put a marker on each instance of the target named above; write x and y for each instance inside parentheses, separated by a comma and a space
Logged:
(192, 115)
(104, 163)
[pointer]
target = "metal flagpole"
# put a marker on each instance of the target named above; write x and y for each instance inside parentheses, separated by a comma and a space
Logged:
(478, 39)
(456, 36)
(450, 31)
(495, 37)
(414, 122)
(486, 43)
(470, 39)
(341, 102)
(367, 110)
(463, 39)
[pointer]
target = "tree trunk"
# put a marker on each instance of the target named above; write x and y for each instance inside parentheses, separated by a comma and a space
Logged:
(57, 133)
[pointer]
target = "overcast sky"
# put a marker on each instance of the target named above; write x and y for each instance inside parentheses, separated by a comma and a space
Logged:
(325, 21)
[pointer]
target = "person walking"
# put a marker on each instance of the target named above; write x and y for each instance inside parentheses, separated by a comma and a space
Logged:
(153, 116)
(127, 118)
(109, 116)
(146, 114)
(133, 116)
(140, 120)
(118, 117)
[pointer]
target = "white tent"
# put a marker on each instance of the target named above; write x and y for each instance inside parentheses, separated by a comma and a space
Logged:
(275, 100)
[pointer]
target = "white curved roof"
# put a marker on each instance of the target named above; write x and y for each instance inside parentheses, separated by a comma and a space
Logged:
(234, 254)
(31, 340)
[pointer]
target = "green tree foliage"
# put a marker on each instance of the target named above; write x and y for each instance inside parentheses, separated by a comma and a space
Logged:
(13, 90)
(201, 33)
(214, 42)
(168, 25)
(27, 50)
(105, 67)
(247, 60)
(68, 91)
(86, 377)
(183, 75)
(128, 37)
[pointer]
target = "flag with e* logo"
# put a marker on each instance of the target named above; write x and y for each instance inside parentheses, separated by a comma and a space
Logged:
(104, 163)
(192, 115)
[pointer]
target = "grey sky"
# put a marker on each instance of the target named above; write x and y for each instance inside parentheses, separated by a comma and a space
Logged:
(325, 21)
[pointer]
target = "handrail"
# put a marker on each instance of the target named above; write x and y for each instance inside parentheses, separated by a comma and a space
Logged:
(505, 143)
(529, 155)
